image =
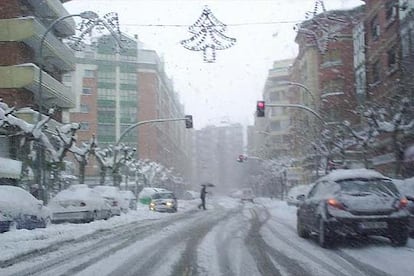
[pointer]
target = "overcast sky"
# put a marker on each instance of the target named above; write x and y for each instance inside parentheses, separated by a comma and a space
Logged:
(225, 91)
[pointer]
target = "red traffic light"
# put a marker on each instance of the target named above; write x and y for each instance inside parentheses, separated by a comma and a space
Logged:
(260, 108)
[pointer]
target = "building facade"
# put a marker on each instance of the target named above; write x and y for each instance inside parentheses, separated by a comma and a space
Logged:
(119, 89)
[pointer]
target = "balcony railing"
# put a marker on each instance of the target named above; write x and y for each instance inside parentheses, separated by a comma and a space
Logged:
(29, 31)
(27, 76)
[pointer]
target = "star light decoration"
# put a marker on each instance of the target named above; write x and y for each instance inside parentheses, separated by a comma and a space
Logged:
(320, 28)
(208, 36)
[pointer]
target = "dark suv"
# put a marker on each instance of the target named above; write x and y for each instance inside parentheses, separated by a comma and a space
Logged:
(353, 202)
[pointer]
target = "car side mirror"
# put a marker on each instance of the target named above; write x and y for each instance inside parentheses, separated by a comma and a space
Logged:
(410, 198)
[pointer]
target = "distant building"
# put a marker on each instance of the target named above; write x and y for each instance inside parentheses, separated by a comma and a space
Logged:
(217, 149)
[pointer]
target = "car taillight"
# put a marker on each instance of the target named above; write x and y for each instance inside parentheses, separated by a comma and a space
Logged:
(332, 202)
(402, 203)
(82, 204)
(114, 203)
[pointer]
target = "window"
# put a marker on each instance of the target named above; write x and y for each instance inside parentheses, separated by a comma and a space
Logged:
(390, 11)
(333, 86)
(332, 57)
(274, 97)
(376, 72)
(84, 126)
(392, 60)
(84, 108)
(275, 126)
(89, 73)
(375, 28)
(67, 78)
(86, 90)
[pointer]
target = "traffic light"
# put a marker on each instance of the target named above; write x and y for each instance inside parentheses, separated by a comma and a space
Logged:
(188, 121)
(260, 108)
(241, 158)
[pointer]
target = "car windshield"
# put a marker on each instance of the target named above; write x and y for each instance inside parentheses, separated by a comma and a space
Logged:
(360, 186)
(163, 196)
(186, 137)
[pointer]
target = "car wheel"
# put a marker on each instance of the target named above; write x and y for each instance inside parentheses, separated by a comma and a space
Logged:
(324, 239)
(399, 237)
(301, 229)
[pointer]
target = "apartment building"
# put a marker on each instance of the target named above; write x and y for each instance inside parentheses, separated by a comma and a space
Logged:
(22, 25)
(119, 89)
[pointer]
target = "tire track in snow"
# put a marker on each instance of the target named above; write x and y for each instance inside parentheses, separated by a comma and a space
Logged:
(105, 246)
(336, 255)
(148, 262)
(265, 254)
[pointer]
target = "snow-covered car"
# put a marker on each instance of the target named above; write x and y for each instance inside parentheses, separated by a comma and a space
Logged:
(164, 201)
(406, 188)
(189, 195)
(78, 203)
(129, 200)
(353, 202)
(144, 196)
(295, 191)
(21, 210)
(247, 195)
(113, 197)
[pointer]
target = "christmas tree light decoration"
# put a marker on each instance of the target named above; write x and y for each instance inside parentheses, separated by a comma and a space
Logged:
(208, 36)
(320, 28)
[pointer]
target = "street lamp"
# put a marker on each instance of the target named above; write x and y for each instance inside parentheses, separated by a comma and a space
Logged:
(93, 18)
(302, 86)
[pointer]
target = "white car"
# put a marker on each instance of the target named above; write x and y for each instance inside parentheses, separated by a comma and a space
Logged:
(113, 197)
(247, 195)
(21, 210)
(129, 200)
(78, 203)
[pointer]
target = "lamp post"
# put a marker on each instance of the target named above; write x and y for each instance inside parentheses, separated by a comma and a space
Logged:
(301, 86)
(93, 20)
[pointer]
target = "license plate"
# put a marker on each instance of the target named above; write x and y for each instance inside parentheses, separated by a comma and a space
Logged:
(373, 225)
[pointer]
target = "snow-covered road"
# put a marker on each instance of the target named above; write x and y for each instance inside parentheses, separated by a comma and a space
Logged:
(230, 238)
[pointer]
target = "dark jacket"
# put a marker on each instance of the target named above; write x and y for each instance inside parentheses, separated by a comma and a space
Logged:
(203, 192)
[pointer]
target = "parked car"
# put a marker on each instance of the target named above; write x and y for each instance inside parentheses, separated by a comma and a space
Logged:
(130, 200)
(189, 195)
(353, 202)
(406, 188)
(144, 196)
(113, 198)
(291, 198)
(163, 201)
(21, 210)
(78, 203)
(247, 195)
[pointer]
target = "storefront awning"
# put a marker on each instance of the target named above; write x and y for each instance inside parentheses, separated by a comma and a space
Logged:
(10, 168)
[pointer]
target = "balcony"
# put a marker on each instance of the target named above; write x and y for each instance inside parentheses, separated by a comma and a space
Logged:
(51, 10)
(27, 76)
(56, 55)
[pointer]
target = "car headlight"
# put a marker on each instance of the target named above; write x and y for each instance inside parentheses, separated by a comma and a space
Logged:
(169, 204)
(152, 204)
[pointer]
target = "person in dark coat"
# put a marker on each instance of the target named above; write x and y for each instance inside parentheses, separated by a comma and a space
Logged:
(203, 193)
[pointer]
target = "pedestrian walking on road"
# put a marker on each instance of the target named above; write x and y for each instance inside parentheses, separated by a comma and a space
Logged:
(203, 193)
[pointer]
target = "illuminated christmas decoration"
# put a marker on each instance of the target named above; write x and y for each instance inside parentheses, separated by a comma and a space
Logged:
(319, 27)
(109, 22)
(208, 36)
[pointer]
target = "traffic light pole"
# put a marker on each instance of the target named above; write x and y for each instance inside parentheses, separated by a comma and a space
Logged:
(301, 107)
(128, 129)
